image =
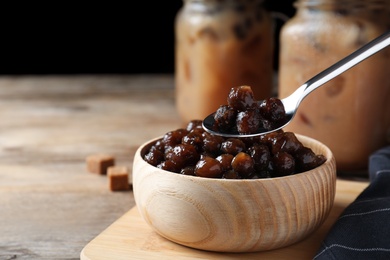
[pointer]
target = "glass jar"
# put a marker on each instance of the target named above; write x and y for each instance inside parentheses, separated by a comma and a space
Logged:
(221, 44)
(351, 113)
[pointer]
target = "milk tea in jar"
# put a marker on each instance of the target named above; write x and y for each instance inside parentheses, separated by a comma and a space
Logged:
(221, 44)
(351, 113)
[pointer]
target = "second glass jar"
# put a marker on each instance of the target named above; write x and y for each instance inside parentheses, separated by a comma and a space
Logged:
(221, 44)
(351, 113)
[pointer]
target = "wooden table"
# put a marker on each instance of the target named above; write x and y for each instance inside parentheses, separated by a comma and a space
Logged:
(50, 206)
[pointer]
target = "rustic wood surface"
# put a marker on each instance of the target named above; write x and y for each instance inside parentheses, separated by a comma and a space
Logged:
(50, 206)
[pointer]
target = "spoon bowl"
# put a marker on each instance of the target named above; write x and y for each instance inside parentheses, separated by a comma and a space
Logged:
(292, 102)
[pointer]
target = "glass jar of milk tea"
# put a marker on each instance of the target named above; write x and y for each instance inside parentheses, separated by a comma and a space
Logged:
(221, 44)
(351, 113)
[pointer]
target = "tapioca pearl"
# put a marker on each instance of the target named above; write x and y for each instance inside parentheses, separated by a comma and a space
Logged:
(174, 137)
(189, 170)
(183, 155)
(231, 174)
(208, 167)
(261, 156)
(287, 142)
(194, 138)
(154, 157)
(226, 161)
(248, 122)
(233, 146)
(306, 159)
(225, 118)
(212, 143)
(196, 123)
(263, 174)
(284, 164)
(269, 138)
(249, 141)
(241, 98)
(243, 164)
(273, 109)
(169, 166)
(159, 145)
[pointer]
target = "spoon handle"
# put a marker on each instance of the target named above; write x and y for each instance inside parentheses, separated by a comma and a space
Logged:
(346, 63)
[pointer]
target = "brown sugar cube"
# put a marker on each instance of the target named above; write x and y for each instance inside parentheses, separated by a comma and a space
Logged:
(118, 177)
(99, 163)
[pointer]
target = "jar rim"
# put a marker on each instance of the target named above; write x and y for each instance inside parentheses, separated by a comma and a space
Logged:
(334, 4)
(225, 1)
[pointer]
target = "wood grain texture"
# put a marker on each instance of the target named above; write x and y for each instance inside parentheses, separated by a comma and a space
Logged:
(130, 237)
(50, 206)
(235, 215)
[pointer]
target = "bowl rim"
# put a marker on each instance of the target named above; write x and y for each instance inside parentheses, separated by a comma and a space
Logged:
(328, 154)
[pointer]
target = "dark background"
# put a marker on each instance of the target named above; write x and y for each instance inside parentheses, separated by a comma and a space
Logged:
(95, 39)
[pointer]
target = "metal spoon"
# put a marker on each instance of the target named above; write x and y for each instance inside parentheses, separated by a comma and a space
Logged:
(292, 102)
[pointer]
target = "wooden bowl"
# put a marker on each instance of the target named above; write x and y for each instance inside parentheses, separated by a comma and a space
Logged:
(235, 215)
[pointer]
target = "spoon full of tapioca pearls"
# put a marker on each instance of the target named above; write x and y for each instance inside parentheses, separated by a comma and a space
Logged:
(243, 116)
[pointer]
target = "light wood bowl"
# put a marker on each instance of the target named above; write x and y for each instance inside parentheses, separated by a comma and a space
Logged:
(235, 215)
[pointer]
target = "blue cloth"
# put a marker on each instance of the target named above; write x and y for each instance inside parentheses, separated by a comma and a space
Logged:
(363, 229)
(380, 160)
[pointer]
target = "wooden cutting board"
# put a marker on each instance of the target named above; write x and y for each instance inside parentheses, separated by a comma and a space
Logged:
(131, 238)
